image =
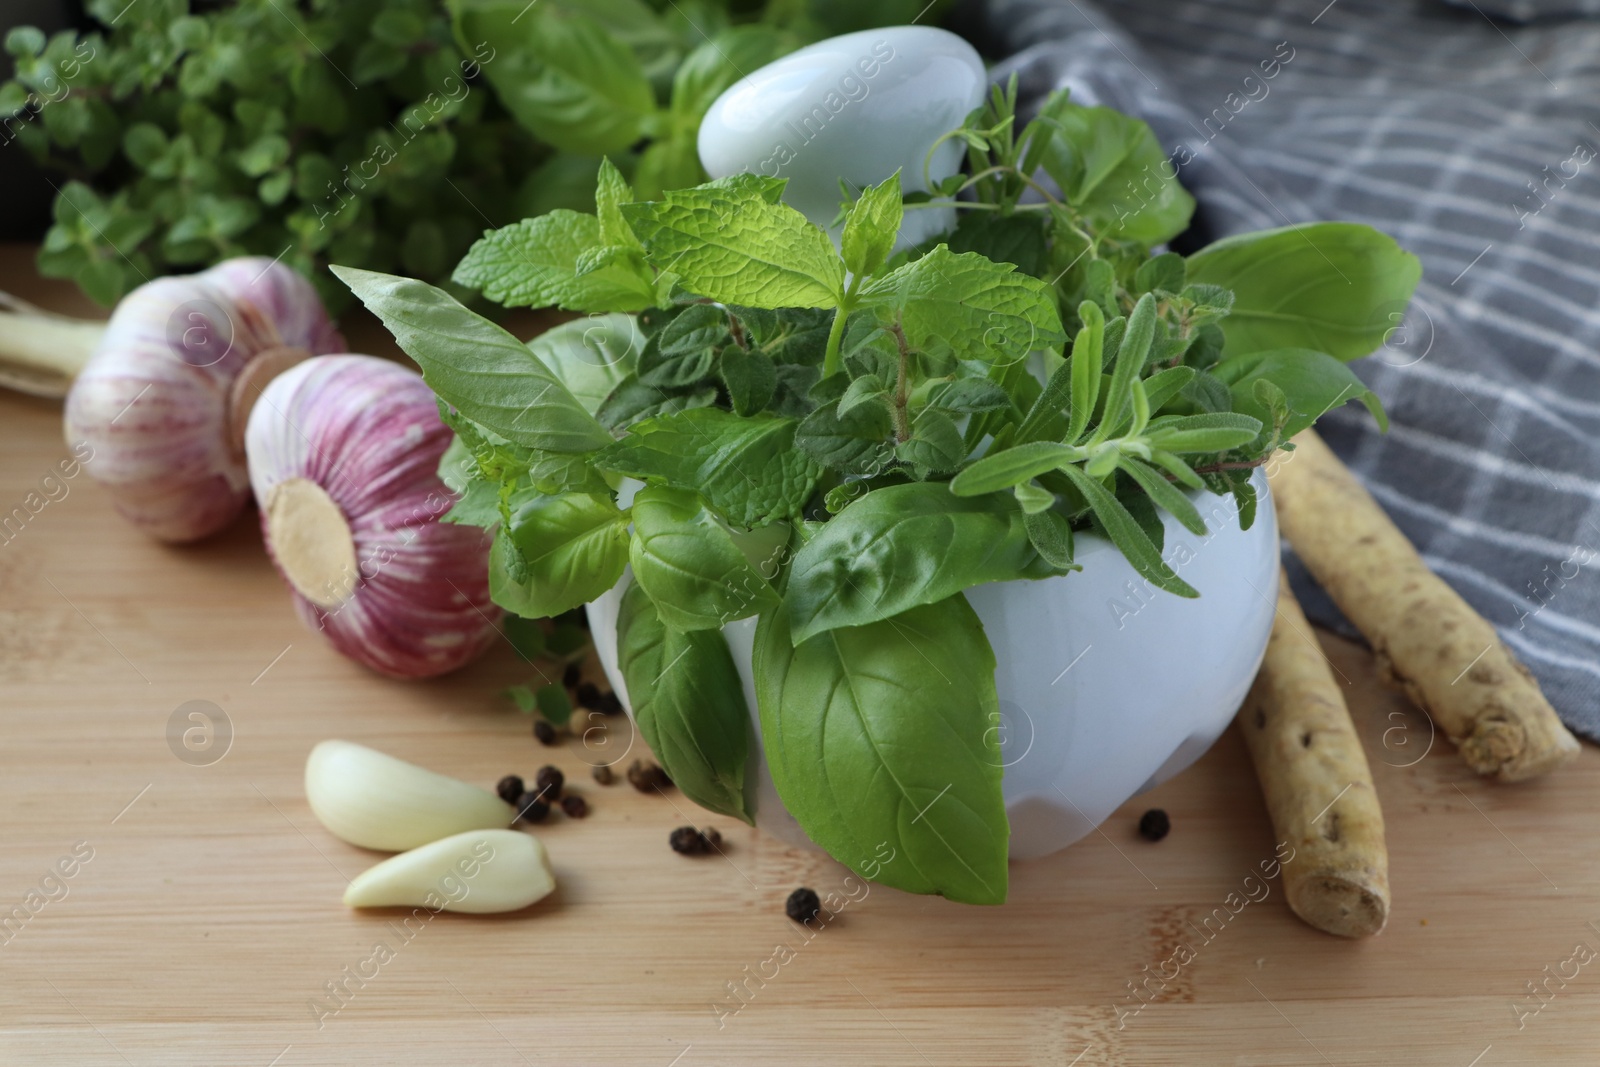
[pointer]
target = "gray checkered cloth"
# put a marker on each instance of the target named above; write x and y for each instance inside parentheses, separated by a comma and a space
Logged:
(1476, 144)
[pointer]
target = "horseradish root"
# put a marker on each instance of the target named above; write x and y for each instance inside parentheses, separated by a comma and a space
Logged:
(1446, 657)
(477, 872)
(344, 456)
(1316, 782)
(376, 801)
(165, 398)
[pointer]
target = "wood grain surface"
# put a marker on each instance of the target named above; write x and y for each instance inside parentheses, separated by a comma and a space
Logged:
(206, 926)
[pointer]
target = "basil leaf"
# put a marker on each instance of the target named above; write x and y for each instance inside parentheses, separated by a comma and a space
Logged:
(967, 307)
(1335, 287)
(1165, 272)
(562, 74)
(573, 548)
(1313, 383)
(900, 713)
(1113, 170)
(1018, 238)
(1125, 532)
(1012, 466)
(871, 226)
(717, 63)
(901, 546)
(591, 356)
(730, 244)
(534, 263)
(687, 561)
(748, 469)
(475, 366)
(688, 702)
(1215, 432)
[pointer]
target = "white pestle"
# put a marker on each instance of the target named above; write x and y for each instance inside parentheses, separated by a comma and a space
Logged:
(856, 108)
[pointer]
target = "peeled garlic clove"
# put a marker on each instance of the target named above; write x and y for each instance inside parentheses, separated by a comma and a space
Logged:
(477, 872)
(344, 457)
(373, 800)
(165, 398)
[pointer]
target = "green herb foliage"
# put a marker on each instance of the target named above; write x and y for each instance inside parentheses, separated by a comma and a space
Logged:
(373, 133)
(840, 440)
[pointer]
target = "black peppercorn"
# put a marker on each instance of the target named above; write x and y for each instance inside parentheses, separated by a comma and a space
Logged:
(588, 696)
(531, 809)
(712, 839)
(548, 782)
(544, 732)
(1154, 825)
(603, 775)
(647, 777)
(610, 703)
(509, 788)
(803, 905)
(571, 676)
(574, 805)
(687, 841)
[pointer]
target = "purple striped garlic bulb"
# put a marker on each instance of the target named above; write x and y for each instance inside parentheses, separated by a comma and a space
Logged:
(344, 457)
(164, 400)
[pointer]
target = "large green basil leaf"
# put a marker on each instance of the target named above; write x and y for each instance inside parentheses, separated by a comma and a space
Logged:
(720, 61)
(573, 547)
(1334, 287)
(475, 366)
(591, 356)
(562, 71)
(747, 469)
(905, 545)
(688, 702)
(729, 243)
(689, 564)
(1313, 383)
(884, 733)
(966, 306)
(1111, 168)
(534, 263)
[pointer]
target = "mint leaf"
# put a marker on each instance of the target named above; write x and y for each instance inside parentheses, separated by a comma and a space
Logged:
(573, 548)
(534, 263)
(475, 366)
(902, 546)
(728, 243)
(967, 307)
(871, 226)
(611, 192)
(688, 562)
(688, 703)
(900, 713)
(750, 377)
(748, 469)
(1312, 383)
(1334, 287)
(857, 442)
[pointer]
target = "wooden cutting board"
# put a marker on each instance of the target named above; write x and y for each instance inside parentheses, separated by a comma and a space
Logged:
(205, 927)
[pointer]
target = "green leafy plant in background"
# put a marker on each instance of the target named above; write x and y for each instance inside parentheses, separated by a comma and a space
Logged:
(383, 133)
(839, 440)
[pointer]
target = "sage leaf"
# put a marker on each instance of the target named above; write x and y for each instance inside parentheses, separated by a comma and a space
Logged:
(748, 469)
(688, 702)
(900, 712)
(1051, 536)
(573, 547)
(901, 546)
(475, 366)
(1126, 533)
(1164, 494)
(1334, 287)
(1012, 466)
(687, 561)
(1215, 432)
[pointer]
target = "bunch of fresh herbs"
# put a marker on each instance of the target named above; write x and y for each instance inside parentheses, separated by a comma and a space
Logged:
(362, 131)
(839, 439)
